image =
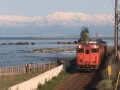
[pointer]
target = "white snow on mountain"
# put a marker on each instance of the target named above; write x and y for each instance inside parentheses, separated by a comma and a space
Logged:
(59, 18)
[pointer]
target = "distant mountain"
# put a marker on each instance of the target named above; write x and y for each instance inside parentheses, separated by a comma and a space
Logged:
(58, 18)
(59, 23)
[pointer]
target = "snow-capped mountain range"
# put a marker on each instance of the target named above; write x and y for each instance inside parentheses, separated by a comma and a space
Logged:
(59, 23)
(59, 18)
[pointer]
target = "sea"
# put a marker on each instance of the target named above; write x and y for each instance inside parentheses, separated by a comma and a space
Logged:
(13, 55)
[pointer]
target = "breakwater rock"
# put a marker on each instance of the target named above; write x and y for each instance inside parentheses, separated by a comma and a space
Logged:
(19, 43)
(65, 43)
(51, 50)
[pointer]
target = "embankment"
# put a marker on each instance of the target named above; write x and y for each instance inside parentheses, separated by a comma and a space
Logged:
(41, 79)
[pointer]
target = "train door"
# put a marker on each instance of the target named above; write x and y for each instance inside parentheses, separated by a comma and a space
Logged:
(95, 55)
(87, 56)
(80, 55)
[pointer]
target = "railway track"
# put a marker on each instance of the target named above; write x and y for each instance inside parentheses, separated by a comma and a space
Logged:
(77, 81)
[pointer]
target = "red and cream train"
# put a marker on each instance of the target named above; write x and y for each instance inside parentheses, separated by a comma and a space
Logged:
(89, 55)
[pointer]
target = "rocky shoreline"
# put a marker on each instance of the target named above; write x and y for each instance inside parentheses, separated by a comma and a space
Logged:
(51, 50)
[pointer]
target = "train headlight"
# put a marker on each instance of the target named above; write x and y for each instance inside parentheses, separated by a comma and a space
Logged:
(79, 46)
(95, 46)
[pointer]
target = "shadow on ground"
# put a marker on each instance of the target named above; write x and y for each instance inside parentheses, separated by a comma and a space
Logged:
(98, 75)
(71, 66)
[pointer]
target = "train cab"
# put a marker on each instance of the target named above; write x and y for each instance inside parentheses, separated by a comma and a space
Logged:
(89, 55)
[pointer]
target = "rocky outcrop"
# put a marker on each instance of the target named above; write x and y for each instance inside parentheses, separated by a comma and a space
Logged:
(64, 42)
(51, 50)
(19, 43)
(7, 44)
(22, 43)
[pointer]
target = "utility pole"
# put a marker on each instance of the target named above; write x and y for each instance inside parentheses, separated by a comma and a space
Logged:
(116, 30)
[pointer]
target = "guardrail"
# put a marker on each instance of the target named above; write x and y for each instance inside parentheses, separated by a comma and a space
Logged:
(27, 68)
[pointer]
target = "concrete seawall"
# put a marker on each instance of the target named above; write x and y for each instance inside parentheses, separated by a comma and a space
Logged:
(41, 79)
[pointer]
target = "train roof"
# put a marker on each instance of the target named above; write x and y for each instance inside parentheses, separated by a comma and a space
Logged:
(97, 41)
(100, 40)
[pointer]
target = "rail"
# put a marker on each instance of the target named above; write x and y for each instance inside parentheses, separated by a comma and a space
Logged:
(27, 68)
(80, 82)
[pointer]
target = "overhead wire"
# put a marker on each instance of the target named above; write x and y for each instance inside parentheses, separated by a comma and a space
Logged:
(112, 4)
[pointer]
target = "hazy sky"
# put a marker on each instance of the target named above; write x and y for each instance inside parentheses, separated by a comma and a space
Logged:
(46, 7)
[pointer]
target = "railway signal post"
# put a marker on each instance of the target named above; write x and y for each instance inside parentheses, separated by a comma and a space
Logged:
(109, 71)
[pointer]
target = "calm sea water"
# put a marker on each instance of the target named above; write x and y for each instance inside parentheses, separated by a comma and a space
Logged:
(17, 54)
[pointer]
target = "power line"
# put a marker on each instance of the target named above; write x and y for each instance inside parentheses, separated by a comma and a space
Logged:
(112, 4)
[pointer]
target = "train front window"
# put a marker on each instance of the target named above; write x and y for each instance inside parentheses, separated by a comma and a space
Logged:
(87, 51)
(94, 50)
(80, 51)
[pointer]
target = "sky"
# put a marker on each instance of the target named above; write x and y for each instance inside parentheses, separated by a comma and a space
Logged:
(47, 7)
(31, 8)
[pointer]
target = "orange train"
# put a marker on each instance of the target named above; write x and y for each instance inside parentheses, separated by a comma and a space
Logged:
(90, 55)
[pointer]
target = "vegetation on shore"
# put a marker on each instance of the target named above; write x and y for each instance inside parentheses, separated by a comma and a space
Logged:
(106, 82)
(8, 81)
(51, 85)
(84, 35)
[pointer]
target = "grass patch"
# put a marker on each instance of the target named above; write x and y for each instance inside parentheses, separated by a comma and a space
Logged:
(54, 82)
(114, 69)
(105, 84)
(8, 81)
